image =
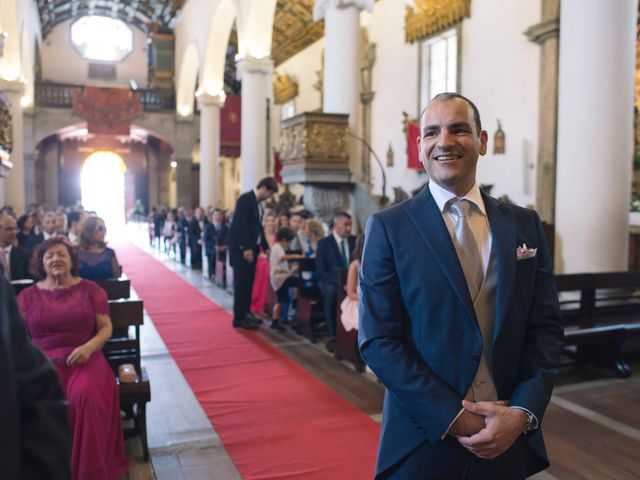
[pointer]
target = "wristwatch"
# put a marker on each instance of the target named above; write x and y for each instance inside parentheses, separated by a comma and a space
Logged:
(529, 422)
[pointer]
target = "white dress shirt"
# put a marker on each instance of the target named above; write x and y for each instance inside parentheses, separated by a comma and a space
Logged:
(339, 240)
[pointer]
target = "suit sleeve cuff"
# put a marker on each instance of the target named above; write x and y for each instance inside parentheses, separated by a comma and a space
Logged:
(535, 419)
(451, 424)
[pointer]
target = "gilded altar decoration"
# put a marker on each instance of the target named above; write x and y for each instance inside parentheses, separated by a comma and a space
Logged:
(284, 89)
(6, 129)
(499, 140)
(430, 17)
(108, 111)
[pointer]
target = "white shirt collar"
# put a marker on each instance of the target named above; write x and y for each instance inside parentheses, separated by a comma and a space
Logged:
(338, 238)
(442, 196)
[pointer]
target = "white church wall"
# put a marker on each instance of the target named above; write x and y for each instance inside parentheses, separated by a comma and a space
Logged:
(500, 73)
(61, 62)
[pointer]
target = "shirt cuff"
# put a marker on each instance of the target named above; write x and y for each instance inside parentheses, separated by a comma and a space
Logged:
(451, 424)
(535, 419)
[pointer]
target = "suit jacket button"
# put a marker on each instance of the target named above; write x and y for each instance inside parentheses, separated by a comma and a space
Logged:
(475, 357)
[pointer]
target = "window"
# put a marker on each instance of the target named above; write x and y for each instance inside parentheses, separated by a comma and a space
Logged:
(102, 38)
(288, 109)
(438, 66)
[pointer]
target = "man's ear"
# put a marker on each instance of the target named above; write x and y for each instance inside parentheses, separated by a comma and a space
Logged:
(484, 139)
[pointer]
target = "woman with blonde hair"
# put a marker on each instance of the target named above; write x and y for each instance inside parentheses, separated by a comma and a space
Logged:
(97, 261)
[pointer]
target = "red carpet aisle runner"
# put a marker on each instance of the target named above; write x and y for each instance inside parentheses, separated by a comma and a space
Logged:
(276, 420)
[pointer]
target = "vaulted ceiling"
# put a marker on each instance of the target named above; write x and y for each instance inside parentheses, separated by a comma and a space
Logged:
(148, 15)
(293, 29)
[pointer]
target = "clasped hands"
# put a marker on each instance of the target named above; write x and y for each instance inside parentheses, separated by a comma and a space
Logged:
(488, 429)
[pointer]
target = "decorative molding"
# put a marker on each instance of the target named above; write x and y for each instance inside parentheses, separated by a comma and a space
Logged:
(6, 128)
(541, 32)
(284, 89)
(430, 17)
(250, 65)
(208, 100)
(293, 29)
(320, 7)
(12, 86)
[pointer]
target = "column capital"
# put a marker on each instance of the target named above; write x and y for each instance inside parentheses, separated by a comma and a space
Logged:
(249, 64)
(12, 86)
(320, 7)
(543, 31)
(208, 100)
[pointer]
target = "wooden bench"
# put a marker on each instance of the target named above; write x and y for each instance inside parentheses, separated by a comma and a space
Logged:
(309, 320)
(124, 347)
(116, 287)
(600, 311)
(346, 342)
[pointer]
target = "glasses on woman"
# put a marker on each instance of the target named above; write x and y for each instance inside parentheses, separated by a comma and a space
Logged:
(101, 228)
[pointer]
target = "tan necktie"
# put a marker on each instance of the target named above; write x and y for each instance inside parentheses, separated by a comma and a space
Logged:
(468, 252)
(4, 260)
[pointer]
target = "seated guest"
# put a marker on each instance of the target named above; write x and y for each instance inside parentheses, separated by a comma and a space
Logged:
(281, 274)
(260, 289)
(169, 232)
(296, 222)
(68, 318)
(349, 306)
(194, 235)
(61, 223)
(283, 220)
(14, 260)
(25, 232)
(97, 261)
(215, 233)
(334, 252)
(73, 220)
(49, 229)
(313, 232)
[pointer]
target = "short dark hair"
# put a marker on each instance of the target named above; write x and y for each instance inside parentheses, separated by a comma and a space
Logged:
(342, 214)
(22, 220)
(269, 183)
(285, 233)
(74, 216)
(441, 97)
(37, 268)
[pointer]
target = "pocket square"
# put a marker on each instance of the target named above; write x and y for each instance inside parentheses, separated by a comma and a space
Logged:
(524, 252)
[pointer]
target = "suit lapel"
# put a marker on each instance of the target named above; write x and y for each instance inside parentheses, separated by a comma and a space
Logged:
(503, 234)
(427, 218)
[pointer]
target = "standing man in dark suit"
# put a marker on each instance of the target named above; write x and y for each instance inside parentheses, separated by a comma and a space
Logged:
(334, 253)
(245, 236)
(14, 261)
(36, 440)
(459, 317)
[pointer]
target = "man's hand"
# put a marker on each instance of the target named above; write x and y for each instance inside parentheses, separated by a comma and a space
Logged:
(248, 256)
(503, 426)
(79, 356)
(467, 424)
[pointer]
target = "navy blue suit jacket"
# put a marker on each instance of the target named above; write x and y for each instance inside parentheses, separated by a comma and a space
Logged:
(420, 336)
(245, 229)
(329, 258)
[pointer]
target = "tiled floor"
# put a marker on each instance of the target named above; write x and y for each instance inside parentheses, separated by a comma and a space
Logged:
(592, 429)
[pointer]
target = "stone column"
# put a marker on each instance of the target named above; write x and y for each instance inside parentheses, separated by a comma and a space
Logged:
(342, 63)
(595, 134)
(547, 35)
(255, 74)
(15, 181)
(210, 106)
(183, 181)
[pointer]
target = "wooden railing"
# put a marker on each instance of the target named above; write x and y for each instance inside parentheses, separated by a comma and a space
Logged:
(60, 95)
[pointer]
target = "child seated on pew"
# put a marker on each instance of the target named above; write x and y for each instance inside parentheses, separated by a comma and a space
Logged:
(349, 306)
(282, 275)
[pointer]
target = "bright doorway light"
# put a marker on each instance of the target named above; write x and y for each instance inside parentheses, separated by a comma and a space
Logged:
(102, 184)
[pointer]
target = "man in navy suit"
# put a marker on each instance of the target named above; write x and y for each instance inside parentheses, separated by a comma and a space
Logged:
(334, 253)
(245, 236)
(14, 261)
(459, 317)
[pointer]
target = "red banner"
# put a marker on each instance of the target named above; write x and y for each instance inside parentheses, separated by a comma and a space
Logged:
(413, 154)
(108, 111)
(230, 121)
(277, 166)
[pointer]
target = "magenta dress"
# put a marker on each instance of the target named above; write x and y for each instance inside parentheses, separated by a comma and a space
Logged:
(59, 321)
(260, 289)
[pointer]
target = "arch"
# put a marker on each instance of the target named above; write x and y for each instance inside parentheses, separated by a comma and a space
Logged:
(10, 64)
(187, 77)
(255, 27)
(212, 80)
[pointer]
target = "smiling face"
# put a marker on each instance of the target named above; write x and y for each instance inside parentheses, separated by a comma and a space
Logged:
(57, 261)
(450, 145)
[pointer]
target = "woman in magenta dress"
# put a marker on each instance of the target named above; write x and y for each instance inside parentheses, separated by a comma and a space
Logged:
(68, 318)
(260, 289)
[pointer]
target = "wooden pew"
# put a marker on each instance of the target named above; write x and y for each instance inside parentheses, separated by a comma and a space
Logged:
(600, 311)
(309, 320)
(346, 342)
(116, 287)
(124, 347)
